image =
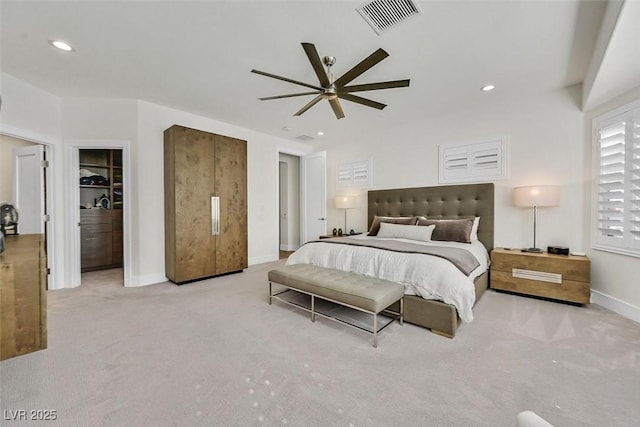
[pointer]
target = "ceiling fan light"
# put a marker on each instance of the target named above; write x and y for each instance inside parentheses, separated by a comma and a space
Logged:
(62, 45)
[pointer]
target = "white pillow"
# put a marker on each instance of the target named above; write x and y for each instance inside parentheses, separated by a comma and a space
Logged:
(411, 232)
(474, 228)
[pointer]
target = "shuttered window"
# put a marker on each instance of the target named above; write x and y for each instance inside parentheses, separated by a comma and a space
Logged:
(355, 174)
(473, 162)
(616, 181)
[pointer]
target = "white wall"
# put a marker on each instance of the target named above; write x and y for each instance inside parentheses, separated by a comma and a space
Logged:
(549, 143)
(35, 115)
(262, 182)
(545, 135)
(28, 109)
(7, 145)
(614, 277)
(143, 124)
(101, 123)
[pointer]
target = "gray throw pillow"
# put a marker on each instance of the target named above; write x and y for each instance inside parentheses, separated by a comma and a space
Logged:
(450, 230)
(375, 225)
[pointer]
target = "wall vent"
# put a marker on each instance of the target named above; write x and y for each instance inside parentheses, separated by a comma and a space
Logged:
(385, 14)
(304, 137)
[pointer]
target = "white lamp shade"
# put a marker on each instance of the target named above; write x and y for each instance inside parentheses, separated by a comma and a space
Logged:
(344, 202)
(537, 195)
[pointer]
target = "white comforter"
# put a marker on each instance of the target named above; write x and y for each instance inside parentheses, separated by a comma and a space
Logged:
(430, 277)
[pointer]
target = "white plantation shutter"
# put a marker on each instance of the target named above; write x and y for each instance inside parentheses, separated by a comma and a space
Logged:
(634, 180)
(616, 198)
(480, 161)
(355, 174)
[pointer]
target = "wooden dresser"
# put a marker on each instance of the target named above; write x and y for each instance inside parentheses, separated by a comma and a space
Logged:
(23, 299)
(559, 277)
(205, 182)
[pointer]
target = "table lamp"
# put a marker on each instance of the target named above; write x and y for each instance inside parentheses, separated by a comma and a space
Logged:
(344, 202)
(534, 197)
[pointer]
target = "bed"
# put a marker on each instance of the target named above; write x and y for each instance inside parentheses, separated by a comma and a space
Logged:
(439, 202)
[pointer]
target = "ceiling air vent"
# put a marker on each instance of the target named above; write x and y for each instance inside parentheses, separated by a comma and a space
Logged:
(304, 137)
(385, 14)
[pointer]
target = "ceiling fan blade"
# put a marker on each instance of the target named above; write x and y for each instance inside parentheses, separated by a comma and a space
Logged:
(291, 95)
(376, 86)
(361, 100)
(273, 76)
(314, 58)
(361, 67)
(311, 103)
(337, 108)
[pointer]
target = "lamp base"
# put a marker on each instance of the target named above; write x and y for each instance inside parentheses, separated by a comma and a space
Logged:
(534, 250)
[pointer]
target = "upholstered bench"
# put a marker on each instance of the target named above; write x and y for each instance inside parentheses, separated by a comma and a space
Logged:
(367, 294)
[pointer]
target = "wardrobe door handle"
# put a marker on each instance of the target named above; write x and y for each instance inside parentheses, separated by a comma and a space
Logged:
(215, 215)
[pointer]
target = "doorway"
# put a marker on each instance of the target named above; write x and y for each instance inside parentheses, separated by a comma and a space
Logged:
(101, 206)
(288, 203)
(116, 195)
(24, 181)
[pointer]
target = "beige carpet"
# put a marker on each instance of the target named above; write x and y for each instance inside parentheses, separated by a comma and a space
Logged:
(214, 353)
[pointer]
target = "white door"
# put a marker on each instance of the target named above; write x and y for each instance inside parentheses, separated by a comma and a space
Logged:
(28, 193)
(314, 196)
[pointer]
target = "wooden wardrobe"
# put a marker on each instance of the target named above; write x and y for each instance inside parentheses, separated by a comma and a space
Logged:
(205, 181)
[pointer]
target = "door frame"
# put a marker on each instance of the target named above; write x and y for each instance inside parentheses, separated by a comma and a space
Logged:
(304, 186)
(300, 154)
(72, 203)
(53, 236)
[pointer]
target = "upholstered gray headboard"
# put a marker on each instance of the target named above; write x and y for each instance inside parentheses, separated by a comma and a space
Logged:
(446, 201)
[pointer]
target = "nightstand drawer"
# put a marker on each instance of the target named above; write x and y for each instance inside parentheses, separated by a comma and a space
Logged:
(560, 277)
(570, 268)
(568, 290)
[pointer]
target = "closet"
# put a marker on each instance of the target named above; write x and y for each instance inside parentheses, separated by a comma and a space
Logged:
(205, 180)
(101, 196)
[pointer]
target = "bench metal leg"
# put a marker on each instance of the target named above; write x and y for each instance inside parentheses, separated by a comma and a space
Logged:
(396, 315)
(375, 331)
(313, 308)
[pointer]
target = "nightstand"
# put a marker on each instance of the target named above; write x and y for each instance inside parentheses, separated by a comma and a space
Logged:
(559, 277)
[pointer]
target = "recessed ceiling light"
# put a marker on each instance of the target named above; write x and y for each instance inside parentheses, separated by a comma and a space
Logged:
(61, 45)
(320, 133)
(488, 88)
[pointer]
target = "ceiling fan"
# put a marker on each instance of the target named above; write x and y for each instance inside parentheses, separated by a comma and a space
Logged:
(334, 89)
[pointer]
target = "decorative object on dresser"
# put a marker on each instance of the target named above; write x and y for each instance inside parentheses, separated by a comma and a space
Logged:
(329, 236)
(558, 250)
(23, 306)
(559, 277)
(8, 218)
(535, 197)
(205, 181)
(344, 202)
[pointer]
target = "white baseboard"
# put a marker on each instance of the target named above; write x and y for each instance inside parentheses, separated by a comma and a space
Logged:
(149, 279)
(617, 306)
(263, 258)
(289, 248)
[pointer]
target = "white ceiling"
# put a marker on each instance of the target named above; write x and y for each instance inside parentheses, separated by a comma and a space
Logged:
(197, 56)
